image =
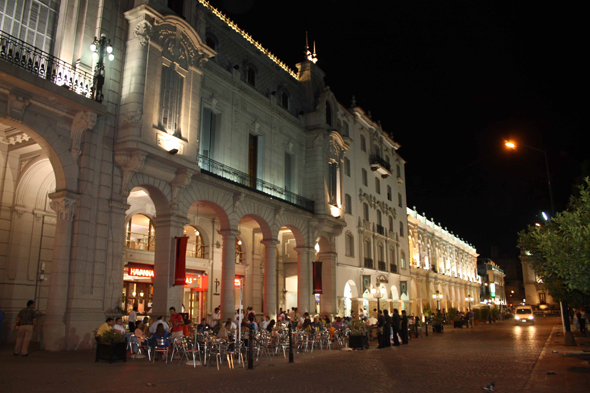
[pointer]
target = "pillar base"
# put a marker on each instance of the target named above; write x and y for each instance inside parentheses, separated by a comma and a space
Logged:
(53, 335)
(569, 340)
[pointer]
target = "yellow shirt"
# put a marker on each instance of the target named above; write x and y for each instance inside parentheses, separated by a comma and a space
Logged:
(103, 328)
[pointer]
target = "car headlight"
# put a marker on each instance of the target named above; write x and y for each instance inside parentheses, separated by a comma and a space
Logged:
(516, 317)
(531, 317)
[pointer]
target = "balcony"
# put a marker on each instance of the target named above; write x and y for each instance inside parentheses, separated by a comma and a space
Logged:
(369, 263)
(380, 165)
(380, 229)
(242, 179)
(140, 241)
(393, 268)
(382, 266)
(45, 66)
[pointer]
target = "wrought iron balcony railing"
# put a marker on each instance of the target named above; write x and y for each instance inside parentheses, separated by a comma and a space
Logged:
(380, 229)
(393, 268)
(376, 160)
(227, 173)
(369, 263)
(382, 266)
(44, 65)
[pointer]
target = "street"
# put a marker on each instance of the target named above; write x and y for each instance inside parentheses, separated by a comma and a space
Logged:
(459, 360)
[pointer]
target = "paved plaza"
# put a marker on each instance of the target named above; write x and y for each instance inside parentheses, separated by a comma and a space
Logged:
(517, 358)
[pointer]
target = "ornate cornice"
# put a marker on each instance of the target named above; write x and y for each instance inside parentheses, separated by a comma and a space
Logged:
(64, 204)
(130, 164)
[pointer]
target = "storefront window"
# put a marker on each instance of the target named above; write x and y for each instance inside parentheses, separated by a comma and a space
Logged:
(196, 247)
(141, 234)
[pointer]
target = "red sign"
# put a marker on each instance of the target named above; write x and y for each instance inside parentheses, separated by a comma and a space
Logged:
(317, 278)
(237, 282)
(141, 272)
(180, 271)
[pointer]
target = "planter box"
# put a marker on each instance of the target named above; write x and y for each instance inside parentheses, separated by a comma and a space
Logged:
(358, 342)
(437, 328)
(111, 352)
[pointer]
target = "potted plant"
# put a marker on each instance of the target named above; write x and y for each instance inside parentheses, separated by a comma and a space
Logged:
(358, 339)
(437, 323)
(476, 315)
(495, 313)
(111, 346)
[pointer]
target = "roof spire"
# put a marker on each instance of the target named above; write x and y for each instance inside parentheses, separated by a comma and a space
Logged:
(308, 55)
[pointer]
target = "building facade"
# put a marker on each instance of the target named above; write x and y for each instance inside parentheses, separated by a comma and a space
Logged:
(192, 130)
(443, 267)
(534, 290)
(493, 290)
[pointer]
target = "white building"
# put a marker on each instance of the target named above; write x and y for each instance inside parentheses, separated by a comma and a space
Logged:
(193, 129)
(441, 264)
(534, 289)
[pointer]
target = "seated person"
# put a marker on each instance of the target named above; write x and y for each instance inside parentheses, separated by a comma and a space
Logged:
(119, 325)
(105, 326)
(224, 332)
(155, 325)
(161, 333)
(140, 337)
(203, 326)
(316, 323)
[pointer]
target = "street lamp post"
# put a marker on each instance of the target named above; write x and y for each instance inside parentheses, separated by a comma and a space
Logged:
(438, 297)
(377, 294)
(568, 336)
(101, 48)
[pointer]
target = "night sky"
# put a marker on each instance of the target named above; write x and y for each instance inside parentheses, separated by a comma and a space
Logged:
(451, 81)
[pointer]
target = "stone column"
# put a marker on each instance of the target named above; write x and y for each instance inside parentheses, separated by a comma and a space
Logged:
(228, 274)
(166, 295)
(113, 286)
(328, 304)
(270, 278)
(304, 279)
(64, 204)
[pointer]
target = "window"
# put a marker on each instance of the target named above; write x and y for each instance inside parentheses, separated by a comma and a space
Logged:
(328, 114)
(367, 249)
(251, 75)
(211, 41)
(363, 143)
(285, 99)
(399, 170)
(347, 204)
(345, 129)
(288, 172)
(402, 259)
(333, 168)
(141, 234)
(31, 21)
(365, 180)
(349, 245)
(379, 218)
(392, 256)
(208, 132)
(390, 223)
(171, 101)
(366, 211)
(401, 229)
(389, 193)
(377, 186)
(196, 247)
(399, 199)
(346, 166)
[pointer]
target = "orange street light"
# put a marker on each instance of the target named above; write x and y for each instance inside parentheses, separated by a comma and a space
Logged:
(510, 144)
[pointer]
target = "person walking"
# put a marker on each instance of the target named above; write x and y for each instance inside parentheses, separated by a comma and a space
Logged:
(26, 323)
(404, 330)
(395, 320)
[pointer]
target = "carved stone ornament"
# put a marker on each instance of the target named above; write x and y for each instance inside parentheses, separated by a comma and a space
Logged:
(130, 164)
(278, 212)
(177, 46)
(238, 199)
(119, 207)
(142, 32)
(334, 151)
(133, 118)
(181, 180)
(63, 205)
(16, 106)
(82, 121)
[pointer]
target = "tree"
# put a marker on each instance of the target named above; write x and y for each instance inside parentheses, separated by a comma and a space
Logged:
(560, 250)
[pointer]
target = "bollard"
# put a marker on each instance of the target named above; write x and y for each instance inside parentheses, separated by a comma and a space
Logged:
(290, 345)
(426, 326)
(250, 349)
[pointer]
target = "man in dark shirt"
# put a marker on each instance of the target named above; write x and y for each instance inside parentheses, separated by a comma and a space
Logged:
(203, 326)
(404, 331)
(395, 321)
(26, 322)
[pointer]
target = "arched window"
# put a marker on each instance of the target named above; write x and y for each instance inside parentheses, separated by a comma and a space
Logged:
(285, 99)
(239, 252)
(171, 100)
(196, 247)
(251, 74)
(328, 114)
(349, 245)
(141, 234)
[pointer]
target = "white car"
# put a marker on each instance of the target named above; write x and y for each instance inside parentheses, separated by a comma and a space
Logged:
(524, 314)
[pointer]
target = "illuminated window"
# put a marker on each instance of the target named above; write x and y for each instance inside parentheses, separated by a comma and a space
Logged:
(141, 234)
(196, 247)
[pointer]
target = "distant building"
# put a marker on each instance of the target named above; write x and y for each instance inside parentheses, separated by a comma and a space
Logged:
(493, 289)
(440, 264)
(534, 289)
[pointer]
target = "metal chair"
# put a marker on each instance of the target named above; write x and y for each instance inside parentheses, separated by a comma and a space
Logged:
(162, 346)
(191, 347)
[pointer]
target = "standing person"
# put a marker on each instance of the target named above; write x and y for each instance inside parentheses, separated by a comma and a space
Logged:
(132, 319)
(177, 324)
(404, 331)
(160, 321)
(215, 317)
(582, 322)
(27, 323)
(396, 322)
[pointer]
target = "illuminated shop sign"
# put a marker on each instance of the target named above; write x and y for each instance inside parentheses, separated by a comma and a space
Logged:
(141, 272)
(493, 290)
